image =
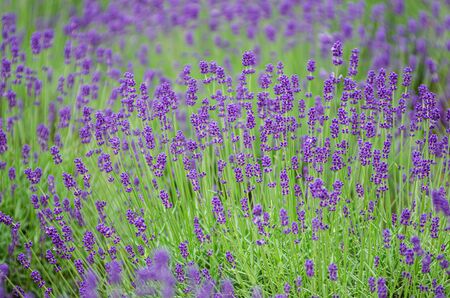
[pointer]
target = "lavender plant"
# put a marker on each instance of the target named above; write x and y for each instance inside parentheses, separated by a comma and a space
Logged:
(224, 149)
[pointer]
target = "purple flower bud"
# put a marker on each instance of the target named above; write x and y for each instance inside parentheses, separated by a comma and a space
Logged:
(114, 270)
(332, 272)
(387, 238)
(23, 260)
(371, 282)
(309, 267)
(248, 59)
(88, 287)
(164, 196)
(54, 150)
(354, 60)
(184, 249)
(440, 201)
(36, 276)
(3, 142)
(230, 258)
(218, 210)
(36, 43)
(407, 78)
(336, 50)
(382, 289)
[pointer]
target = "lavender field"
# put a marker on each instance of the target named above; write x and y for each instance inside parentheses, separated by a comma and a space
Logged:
(190, 148)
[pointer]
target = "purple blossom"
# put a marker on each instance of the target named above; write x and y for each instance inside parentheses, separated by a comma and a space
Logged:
(309, 267)
(382, 289)
(184, 249)
(248, 59)
(114, 271)
(332, 272)
(164, 196)
(440, 201)
(336, 50)
(218, 210)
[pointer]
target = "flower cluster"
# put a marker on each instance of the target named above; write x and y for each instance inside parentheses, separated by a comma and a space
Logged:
(325, 173)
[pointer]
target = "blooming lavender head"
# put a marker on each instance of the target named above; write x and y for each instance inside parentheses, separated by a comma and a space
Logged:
(248, 59)
(88, 288)
(337, 53)
(382, 288)
(440, 201)
(4, 271)
(114, 270)
(332, 272)
(309, 267)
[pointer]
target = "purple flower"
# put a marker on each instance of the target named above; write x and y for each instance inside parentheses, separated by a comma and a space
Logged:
(376, 261)
(311, 66)
(271, 32)
(336, 51)
(406, 215)
(440, 201)
(238, 175)
(354, 60)
(114, 271)
(80, 167)
(371, 282)
(218, 210)
(184, 249)
(69, 181)
(284, 182)
(257, 210)
(434, 229)
(23, 260)
(332, 272)
(88, 241)
(206, 289)
(298, 283)
(382, 289)
(6, 70)
(36, 277)
(36, 43)
(54, 150)
(284, 217)
(203, 65)
(3, 142)
(309, 267)
(244, 206)
(198, 230)
(407, 78)
(409, 256)
(12, 173)
(33, 176)
(248, 59)
(426, 262)
(88, 287)
(179, 271)
(125, 180)
(230, 258)
(227, 289)
(48, 38)
(287, 288)
(43, 134)
(387, 238)
(164, 196)
(4, 271)
(257, 293)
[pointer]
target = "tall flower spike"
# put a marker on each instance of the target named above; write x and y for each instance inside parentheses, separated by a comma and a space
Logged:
(337, 53)
(248, 59)
(332, 272)
(309, 267)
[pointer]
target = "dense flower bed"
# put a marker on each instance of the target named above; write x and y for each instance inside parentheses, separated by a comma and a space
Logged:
(224, 149)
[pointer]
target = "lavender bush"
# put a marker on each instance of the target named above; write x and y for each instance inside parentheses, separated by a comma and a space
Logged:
(224, 148)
